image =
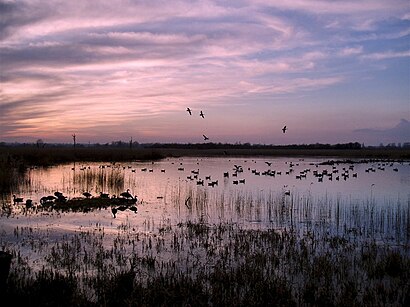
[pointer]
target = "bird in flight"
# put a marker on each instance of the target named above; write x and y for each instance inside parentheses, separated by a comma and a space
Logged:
(284, 129)
(268, 163)
(189, 111)
(205, 137)
(201, 114)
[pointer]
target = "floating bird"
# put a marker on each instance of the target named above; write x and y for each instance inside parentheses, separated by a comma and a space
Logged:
(126, 194)
(17, 199)
(122, 208)
(189, 111)
(29, 203)
(104, 195)
(58, 194)
(87, 194)
(133, 208)
(46, 199)
(205, 137)
(284, 129)
(114, 211)
(62, 199)
(201, 114)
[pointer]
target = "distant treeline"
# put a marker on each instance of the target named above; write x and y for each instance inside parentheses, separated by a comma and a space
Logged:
(210, 145)
(355, 145)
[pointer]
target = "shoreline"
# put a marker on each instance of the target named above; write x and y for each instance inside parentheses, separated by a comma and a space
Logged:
(31, 156)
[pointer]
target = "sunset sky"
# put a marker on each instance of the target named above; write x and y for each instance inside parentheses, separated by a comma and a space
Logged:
(332, 71)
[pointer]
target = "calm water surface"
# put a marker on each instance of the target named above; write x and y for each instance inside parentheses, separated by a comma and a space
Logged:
(179, 189)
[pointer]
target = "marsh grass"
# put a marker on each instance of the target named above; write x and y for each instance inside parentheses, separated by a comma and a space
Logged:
(330, 254)
(32, 156)
(101, 179)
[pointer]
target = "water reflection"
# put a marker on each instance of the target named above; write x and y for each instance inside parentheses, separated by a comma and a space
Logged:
(255, 192)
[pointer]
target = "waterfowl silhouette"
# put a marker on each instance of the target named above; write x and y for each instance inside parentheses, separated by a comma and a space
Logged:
(133, 208)
(284, 129)
(126, 194)
(205, 137)
(122, 208)
(189, 111)
(201, 114)
(29, 203)
(87, 194)
(114, 211)
(17, 200)
(58, 194)
(104, 195)
(268, 163)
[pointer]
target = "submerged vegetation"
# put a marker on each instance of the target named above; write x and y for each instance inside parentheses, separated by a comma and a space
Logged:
(220, 265)
(320, 253)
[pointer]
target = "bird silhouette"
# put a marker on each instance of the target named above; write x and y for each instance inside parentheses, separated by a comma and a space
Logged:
(189, 111)
(58, 194)
(284, 129)
(29, 203)
(114, 211)
(268, 163)
(104, 195)
(205, 137)
(126, 194)
(133, 208)
(201, 114)
(122, 208)
(17, 199)
(87, 194)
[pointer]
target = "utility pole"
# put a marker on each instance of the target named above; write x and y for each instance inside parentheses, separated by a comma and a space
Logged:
(74, 139)
(131, 143)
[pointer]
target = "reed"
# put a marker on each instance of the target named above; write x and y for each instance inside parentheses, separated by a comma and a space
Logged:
(314, 251)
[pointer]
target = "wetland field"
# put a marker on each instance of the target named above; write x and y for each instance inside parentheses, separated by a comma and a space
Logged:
(163, 228)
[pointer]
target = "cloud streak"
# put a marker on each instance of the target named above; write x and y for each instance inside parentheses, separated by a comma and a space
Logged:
(78, 65)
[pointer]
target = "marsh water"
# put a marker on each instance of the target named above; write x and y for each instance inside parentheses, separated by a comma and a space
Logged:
(254, 192)
(184, 205)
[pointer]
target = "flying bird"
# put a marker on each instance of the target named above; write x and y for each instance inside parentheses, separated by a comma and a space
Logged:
(284, 129)
(205, 137)
(268, 163)
(201, 114)
(189, 111)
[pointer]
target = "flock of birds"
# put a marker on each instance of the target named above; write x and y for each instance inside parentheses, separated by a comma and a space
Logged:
(201, 114)
(126, 200)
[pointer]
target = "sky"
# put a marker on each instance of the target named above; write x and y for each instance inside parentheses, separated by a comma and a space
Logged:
(332, 71)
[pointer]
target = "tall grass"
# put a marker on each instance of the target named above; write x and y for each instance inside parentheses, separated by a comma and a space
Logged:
(107, 179)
